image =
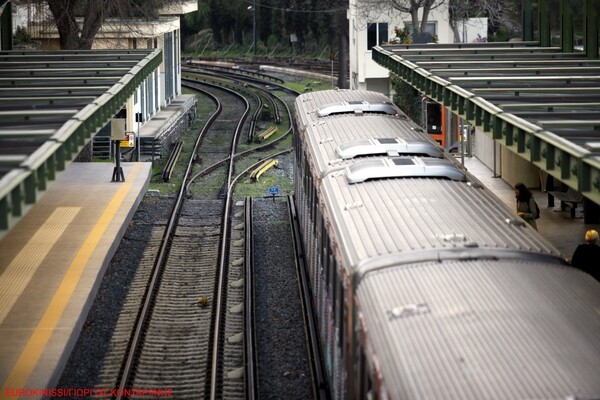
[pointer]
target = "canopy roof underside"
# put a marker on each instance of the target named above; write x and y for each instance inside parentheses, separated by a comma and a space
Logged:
(51, 105)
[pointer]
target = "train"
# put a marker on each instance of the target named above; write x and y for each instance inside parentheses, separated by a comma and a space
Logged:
(425, 285)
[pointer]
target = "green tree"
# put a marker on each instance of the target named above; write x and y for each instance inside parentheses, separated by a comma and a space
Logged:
(417, 9)
(407, 98)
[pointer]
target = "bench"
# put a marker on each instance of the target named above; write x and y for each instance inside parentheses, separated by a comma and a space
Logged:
(571, 198)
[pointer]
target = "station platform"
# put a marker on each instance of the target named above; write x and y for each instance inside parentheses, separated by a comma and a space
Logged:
(53, 260)
(51, 264)
(557, 226)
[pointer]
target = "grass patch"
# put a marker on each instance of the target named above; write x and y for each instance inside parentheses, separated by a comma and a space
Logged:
(272, 178)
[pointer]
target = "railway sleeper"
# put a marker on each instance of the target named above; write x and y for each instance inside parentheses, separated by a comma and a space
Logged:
(237, 338)
(237, 373)
(237, 309)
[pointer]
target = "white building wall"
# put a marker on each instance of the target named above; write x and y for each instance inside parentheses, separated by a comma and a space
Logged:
(362, 66)
(135, 34)
(364, 72)
(474, 30)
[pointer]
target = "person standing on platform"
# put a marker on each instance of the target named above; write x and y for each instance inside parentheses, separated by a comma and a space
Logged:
(526, 206)
(586, 255)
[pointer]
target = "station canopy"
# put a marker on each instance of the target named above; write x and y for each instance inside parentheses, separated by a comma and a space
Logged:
(539, 102)
(51, 104)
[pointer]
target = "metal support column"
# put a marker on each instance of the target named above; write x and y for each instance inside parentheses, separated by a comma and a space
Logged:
(590, 41)
(527, 16)
(567, 34)
(544, 23)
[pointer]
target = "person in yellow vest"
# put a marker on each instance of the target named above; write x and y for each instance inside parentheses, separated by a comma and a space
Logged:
(586, 255)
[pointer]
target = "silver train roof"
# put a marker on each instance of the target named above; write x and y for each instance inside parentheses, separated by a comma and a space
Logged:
(484, 330)
(386, 222)
(340, 138)
(381, 222)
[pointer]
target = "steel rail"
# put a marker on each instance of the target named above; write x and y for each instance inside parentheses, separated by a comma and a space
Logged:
(216, 337)
(142, 317)
(249, 320)
(320, 382)
(238, 155)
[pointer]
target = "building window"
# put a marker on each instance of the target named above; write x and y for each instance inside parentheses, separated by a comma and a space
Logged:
(377, 33)
(431, 27)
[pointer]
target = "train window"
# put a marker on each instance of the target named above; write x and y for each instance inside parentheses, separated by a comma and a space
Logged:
(324, 246)
(326, 260)
(332, 276)
(319, 235)
(313, 201)
(341, 315)
(363, 375)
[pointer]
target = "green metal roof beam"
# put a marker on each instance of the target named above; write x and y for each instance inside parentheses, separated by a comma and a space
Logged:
(481, 50)
(570, 122)
(66, 64)
(14, 133)
(513, 71)
(492, 79)
(551, 106)
(65, 73)
(522, 44)
(73, 80)
(509, 63)
(65, 90)
(447, 56)
(544, 90)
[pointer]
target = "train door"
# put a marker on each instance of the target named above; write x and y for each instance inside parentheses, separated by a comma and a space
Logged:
(440, 124)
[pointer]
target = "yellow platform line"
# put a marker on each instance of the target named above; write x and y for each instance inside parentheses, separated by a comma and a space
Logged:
(37, 343)
(21, 269)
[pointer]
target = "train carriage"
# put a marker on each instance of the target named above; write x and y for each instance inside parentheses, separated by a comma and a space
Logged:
(418, 271)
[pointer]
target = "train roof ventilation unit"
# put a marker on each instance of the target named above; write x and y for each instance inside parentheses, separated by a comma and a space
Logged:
(351, 107)
(374, 146)
(403, 167)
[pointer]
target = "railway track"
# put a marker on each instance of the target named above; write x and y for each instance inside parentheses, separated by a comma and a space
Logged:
(320, 66)
(181, 327)
(283, 339)
(170, 346)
